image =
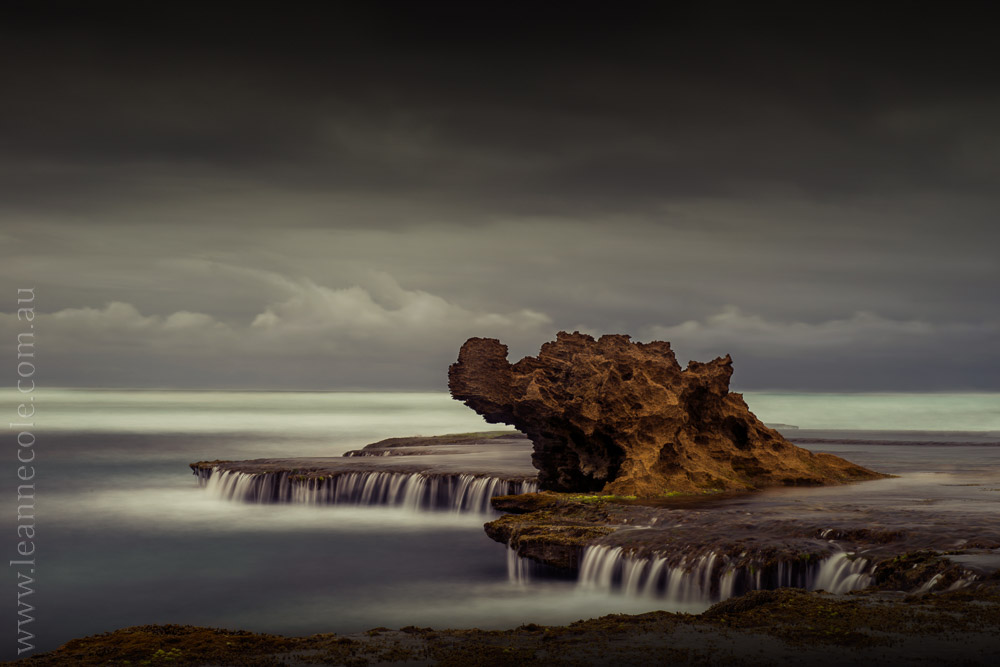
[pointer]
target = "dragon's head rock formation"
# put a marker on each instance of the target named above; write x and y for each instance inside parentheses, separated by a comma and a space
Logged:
(624, 418)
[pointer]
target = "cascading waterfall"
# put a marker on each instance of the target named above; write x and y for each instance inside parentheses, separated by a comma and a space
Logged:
(519, 568)
(354, 453)
(709, 578)
(840, 574)
(418, 491)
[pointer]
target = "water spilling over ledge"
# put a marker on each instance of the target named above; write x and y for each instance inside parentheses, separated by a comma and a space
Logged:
(458, 472)
(707, 579)
(912, 533)
(699, 580)
(711, 577)
(417, 491)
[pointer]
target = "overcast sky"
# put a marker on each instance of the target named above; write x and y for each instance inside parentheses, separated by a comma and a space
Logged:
(275, 200)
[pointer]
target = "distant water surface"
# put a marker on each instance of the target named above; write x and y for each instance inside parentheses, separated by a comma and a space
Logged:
(358, 413)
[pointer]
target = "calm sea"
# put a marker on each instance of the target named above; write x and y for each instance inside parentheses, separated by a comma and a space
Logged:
(126, 536)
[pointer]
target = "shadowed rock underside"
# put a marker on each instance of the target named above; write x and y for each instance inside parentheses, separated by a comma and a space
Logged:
(621, 417)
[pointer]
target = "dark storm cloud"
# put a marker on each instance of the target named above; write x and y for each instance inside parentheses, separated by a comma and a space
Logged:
(254, 179)
(619, 110)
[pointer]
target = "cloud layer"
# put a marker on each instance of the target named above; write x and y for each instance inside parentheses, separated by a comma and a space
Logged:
(384, 336)
(207, 198)
(317, 337)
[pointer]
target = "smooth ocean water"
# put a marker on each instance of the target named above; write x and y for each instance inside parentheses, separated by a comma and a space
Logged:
(126, 536)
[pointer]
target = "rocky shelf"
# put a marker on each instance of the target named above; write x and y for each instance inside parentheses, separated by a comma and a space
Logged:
(710, 547)
(501, 454)
(455, 443)
(454, 472)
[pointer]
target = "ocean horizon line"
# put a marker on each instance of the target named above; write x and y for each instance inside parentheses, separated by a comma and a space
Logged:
(368, 390)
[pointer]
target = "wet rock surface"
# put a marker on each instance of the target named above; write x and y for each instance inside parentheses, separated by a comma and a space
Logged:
(730, 543)
(624, 418)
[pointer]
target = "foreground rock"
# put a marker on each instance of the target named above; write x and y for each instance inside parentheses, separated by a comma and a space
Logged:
(626, 419)
(764, 628)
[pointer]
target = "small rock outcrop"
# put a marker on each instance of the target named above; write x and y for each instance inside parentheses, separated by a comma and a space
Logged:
(624, 418)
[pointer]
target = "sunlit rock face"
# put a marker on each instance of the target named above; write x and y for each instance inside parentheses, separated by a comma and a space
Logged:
(621, 417)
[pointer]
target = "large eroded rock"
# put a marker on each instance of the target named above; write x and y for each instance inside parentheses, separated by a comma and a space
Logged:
(625, 418)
